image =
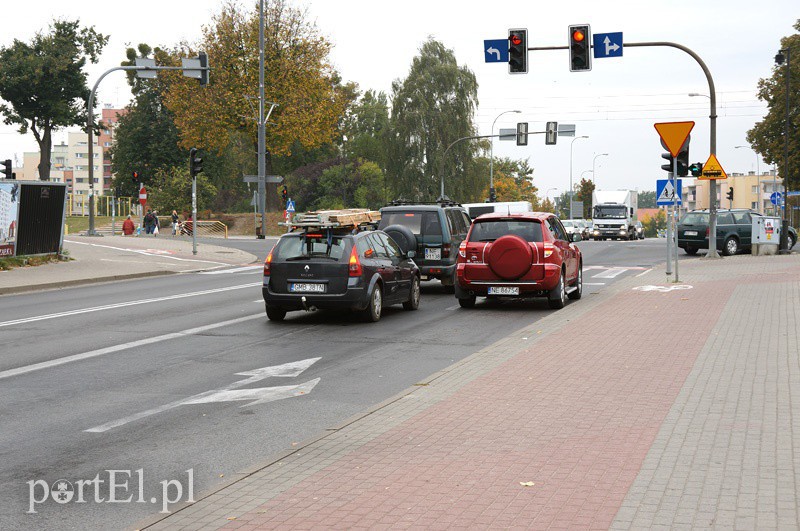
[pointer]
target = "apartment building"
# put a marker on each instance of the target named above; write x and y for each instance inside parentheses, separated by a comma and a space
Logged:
(749, 191)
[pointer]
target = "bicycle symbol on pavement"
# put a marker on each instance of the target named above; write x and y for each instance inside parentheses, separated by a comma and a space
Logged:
(663, 289)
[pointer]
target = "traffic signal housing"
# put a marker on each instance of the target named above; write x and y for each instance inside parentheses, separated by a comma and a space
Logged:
(668, 167)
(518, 51)
(136, 177)
(203, 57)
(195, 163)
(729, 195)
(696, 169)
(285, 195)
(683, 158)
(580, 48)
(7, 169)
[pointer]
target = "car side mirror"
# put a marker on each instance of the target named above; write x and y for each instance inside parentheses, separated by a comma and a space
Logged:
(368, 253)
(411, 254)
(576, 237)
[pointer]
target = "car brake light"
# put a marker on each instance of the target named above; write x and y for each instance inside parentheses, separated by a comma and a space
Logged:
(548, 249)
(355, 264)
(462, 250)
(446, 250)
(708, 231)
(267, 263)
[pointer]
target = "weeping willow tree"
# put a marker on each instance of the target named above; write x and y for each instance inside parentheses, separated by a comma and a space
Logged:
(431, 108)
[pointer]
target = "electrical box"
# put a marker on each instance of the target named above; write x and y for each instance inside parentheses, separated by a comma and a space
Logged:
(766, 235)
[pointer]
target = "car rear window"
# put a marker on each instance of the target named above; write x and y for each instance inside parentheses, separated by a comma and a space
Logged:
(490, 230)
(421, 223)
(695, 218)
(311, 245)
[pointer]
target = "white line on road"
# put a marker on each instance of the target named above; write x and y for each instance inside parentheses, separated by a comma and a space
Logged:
(124, 304)
(124, 346)
(611, 273)
(644, 272)
(230, 271)
(147, 252)
(594, 283)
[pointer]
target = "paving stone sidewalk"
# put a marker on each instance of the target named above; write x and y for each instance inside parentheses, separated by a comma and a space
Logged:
(628, 409)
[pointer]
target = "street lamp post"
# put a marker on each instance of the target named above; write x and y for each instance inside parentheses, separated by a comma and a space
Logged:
(547, 194)
(781, 57)
(491, 155)
(758, 172)
(594, 173)
(570, 192)
(584, 172)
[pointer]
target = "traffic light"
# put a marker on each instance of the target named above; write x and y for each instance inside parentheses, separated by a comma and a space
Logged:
(135, 176)
(7, 169)
(580, 48)
(203, 68)
(668, 167)
(492, 195)
(683, 158)
(729, 195)
(195, 163)
(696, 169)
(522, 133)
(285, 195)
(517, 51)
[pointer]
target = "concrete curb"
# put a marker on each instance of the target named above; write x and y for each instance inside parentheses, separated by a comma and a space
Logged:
(81, 282)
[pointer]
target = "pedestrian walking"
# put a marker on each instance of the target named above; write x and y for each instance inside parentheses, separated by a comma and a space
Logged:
(127, 227)
(149, 222)
(175, 220)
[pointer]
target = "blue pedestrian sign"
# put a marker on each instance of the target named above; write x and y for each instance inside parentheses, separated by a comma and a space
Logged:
(495, 50)
(666, 190)
(607, 45)
(776, 198)
(289, 206)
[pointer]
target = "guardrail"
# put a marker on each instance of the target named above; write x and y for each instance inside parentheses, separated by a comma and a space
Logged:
(209, 229)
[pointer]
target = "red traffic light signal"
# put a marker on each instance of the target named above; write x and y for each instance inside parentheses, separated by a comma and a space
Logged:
(135, 176)
(517, 51)
(580, 49)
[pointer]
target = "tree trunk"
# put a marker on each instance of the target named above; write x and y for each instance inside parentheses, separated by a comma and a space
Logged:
(45, 150)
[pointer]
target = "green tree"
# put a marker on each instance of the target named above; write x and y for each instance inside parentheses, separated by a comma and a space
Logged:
(584, 193)
(172, 190)
(366, 126)
(767, 136)
(653, 224)
(146, 139)
(513, 181)
(432, 107)
(45, 84)
(647, 199)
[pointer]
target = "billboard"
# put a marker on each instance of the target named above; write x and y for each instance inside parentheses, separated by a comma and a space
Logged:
(9, 215)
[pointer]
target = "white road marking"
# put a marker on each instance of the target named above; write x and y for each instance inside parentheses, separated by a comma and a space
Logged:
(124, 304)
(663, 289)
(230, 271)
(456, 307)
(123, 346)
(644, 272)
(594, 283)
(227, 393)
(611, 273)
(148, 252)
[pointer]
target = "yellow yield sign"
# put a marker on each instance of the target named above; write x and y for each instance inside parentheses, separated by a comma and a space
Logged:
(713, 170)
(674, 134)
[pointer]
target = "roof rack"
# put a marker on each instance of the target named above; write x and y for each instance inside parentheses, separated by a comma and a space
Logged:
(444, 202)
(331, 219)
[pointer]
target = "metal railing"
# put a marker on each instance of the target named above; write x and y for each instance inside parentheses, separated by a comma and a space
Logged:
(78, 205)
(207, 229)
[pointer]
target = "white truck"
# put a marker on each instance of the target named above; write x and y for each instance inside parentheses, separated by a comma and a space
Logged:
(614, 214)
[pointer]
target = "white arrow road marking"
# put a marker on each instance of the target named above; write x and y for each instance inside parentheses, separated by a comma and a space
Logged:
(495, 51)
(148, 252)
(259, 396)
(123, 346)
(124, 304)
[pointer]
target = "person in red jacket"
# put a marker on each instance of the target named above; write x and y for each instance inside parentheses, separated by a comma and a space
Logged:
(127, 227)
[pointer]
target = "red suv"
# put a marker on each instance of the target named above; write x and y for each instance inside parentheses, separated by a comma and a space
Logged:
(528, 254)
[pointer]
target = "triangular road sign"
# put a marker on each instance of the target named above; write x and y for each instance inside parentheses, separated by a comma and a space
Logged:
(713, 170)
(674, 134)
(668, 193)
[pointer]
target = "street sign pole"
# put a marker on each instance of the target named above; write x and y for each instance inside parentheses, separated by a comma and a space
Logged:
(674, 220)
(669, 232)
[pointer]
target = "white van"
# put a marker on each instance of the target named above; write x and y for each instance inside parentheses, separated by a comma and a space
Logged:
(504, 207)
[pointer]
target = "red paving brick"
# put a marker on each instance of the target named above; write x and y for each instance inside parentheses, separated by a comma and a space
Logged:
(575, 414)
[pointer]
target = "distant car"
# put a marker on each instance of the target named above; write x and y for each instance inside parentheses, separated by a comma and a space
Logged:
(572, 226)
(434, 231)
(519, 255)
(639, 230)
(334, 268)
(734, 231)
(586, 228)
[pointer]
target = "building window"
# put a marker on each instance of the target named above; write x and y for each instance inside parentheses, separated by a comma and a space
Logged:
(78, 155)
(755, 189)
(754, 205)
(106, 144)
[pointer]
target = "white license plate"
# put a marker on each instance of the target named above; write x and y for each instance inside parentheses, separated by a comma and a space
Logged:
(307, 288)
(690, 233)
(433, 254)
(503, 290)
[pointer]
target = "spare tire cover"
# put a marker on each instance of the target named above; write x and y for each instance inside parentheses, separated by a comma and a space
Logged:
(509, 257)
(402, 236)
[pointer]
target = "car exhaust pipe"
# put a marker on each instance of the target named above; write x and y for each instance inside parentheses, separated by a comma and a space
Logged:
(306, 307)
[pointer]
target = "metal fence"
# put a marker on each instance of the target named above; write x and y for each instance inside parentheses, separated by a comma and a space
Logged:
(78, 205)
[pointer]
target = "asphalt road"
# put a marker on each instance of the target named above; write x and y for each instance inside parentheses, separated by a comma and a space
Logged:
(161, 376)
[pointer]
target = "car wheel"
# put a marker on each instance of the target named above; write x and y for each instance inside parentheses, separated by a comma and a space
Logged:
(558, 296)
(467, 302)
(731, 246)
(578, 292)
(275, 313)
(373, 311)
(691, 251)
(413, 300)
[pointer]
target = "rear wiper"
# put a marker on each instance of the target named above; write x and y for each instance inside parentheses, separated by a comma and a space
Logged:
(301, 257)
(487, 240)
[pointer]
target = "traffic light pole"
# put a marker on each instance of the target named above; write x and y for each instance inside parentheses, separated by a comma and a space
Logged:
(712, 236)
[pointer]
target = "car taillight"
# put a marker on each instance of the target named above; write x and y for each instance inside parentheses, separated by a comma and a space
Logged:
(446, 250)
(355, 264)
(267, 263)
(708, 231)
(462, 250)
(548, 249)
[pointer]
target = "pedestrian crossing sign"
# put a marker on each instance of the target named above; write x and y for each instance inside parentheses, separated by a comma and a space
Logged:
(666, 190)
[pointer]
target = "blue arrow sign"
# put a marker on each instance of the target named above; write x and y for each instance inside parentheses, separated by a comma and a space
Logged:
(666, 190)
(495, 50)
(776, 198)
(607, 45)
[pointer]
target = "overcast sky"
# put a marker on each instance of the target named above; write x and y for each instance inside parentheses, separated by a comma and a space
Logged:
(616, 104)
